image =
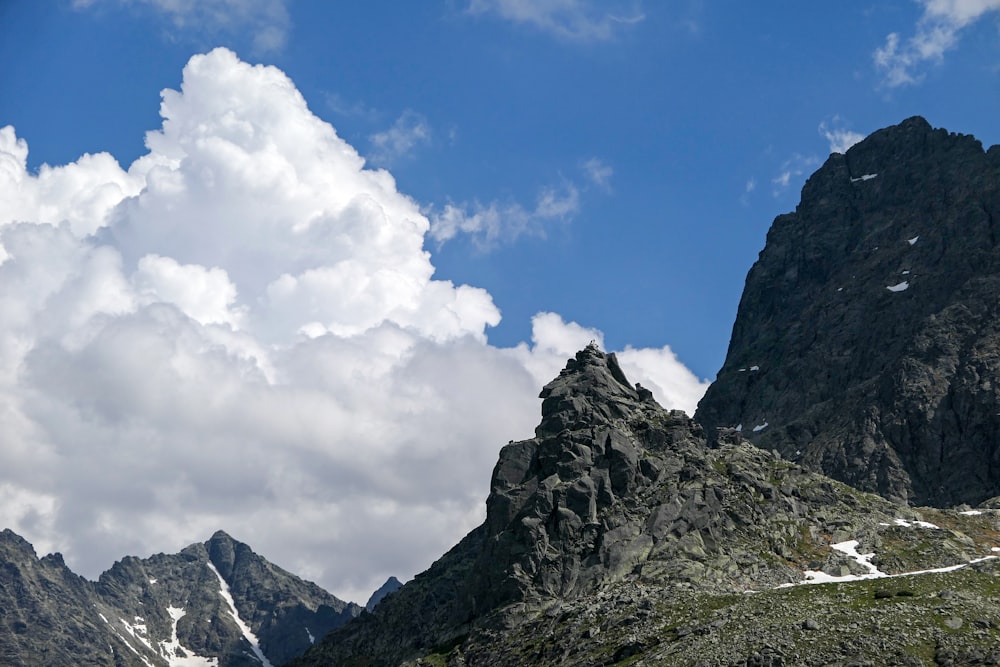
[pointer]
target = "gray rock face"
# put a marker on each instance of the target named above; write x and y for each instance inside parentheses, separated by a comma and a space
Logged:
(613, 493)
(867, 341)
(159, 610)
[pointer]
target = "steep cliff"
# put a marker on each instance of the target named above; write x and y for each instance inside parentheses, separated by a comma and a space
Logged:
(867, 341)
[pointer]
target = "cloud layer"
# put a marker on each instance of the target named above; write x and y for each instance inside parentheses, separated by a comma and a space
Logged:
(242, 331)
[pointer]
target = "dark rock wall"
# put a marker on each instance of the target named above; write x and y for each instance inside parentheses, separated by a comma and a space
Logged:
(891, 390)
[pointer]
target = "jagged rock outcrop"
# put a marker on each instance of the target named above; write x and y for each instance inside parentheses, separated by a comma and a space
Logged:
(616, 499)
(214, 603)
(867, 341)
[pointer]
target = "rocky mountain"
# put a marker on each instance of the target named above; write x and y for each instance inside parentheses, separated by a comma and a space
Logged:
(865, 349)
(214, 603)
(391, 585)
(618, 535)
(867, 341)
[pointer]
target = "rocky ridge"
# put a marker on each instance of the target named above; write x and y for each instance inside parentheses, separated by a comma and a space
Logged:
(616, 532)
(867, 341)
(214, 603)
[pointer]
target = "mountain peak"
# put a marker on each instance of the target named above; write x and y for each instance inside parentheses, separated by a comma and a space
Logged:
(592, 386)
(391, 585)
(223, 551)
(221, 536)
(866, 340)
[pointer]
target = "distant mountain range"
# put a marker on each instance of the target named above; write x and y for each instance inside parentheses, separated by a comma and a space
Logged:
(216, 603)
(779, 526)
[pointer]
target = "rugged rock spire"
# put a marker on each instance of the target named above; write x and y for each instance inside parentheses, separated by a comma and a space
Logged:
(867, 341)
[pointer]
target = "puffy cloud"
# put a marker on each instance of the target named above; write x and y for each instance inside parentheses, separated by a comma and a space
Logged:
(578, 20)
(80, 194)
(242, 331)
(204, 295)
(497, 223)
(937, 32)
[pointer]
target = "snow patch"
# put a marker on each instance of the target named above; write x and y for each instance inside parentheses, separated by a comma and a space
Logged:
(913, 240)
(850, 548)
(760, 427)
(972, 513)
(120, 636)
(899, 287)
(152, 581)
(138, 630)
(312, 640)
(866, 177)
(755, 368)
(244, 628)
(175, 654)
(921, 524)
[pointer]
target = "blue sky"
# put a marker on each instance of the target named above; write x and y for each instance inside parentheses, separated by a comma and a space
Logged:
(613, 166)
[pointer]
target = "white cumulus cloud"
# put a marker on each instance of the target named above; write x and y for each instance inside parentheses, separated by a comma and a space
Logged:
(241, 330)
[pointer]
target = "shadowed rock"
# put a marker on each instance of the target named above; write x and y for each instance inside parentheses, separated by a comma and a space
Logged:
(868, 336)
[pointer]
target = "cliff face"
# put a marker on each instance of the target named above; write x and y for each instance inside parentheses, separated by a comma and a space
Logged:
(618, 509)
(867, 341)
